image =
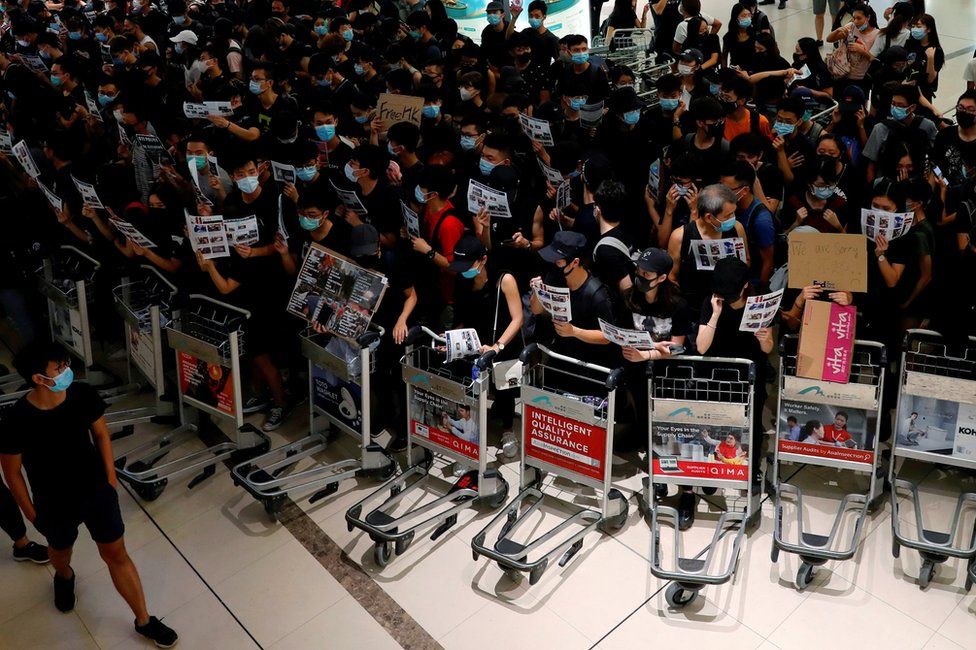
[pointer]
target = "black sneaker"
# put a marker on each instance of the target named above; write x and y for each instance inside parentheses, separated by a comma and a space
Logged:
(64, 593)
(660, 491)
(782, 4)
(160, 634)
(276, 417)
(255, 404)
(32, 552)
(686, 510)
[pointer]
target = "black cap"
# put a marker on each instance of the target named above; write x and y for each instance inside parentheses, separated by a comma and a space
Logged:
(467, 251)
(728, 278)
(691, 54)
(852, 99)
(623, 100)
(566, 245)
(655, 260)
(896, 54)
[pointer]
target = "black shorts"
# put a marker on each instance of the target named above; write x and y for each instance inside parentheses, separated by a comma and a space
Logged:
(99, 511)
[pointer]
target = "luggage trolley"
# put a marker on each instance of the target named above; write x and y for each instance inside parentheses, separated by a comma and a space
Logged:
(145, 305)
(567, 435)
(849, 418)
(209, 340)
(936, 423)
(701, 435)
(339, 392)
(440, 400)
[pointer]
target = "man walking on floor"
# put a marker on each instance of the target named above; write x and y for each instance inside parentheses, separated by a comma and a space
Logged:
(57, 433)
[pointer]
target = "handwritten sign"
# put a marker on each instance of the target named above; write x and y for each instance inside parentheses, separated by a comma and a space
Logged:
(399, 108)
(837, 262)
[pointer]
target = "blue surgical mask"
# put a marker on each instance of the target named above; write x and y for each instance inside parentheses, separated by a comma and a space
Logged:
(468, 142)
(117, 61)
(579, 58)
(179, 20)
(348, 34)
(807, 114)
(728, 224)
(823, 192)
(361, 119)
(714, 89)
(536, 23)
(864, 27)
(254, 87)
(101, 38)
(577, 103)
(325, 132)
(899, 112)
(669, 104)
(494, 19)
(306, 173)
(323, 83)
(358, 69)
(745, 23)
(470, 273)
(782, 129)
(350, 172)
(485, 167)
(632, 117)
(390, 148)
(200, 162)
(309, 224)
(321, 30)
(55, 80)
(918, 33)
(75, 36)
(248, 184)
(431, 110)
(62, 381)
(178, 48)
(419, 195)
(104, 99)
(414, 34)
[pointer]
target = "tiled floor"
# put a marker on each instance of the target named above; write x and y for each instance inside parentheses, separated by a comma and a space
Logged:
(226, 576)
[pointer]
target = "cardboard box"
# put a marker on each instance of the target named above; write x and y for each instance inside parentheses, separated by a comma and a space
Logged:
(826, 341)
(837, 262)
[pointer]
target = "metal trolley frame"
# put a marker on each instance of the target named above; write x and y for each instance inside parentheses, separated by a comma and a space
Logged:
(68, 282)
(550, 416)
(271, 478)
(862, 397)
(932, 370)
(708, 394)
(427, 378)
(145, 305)
(208, 340)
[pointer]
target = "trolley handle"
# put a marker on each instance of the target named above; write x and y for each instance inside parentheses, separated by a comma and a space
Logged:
(576, 362)
(160, 277)
(613, 380)
(200, 296)
(933, 334)
(82, 254)
(484, 361)
(417, 332)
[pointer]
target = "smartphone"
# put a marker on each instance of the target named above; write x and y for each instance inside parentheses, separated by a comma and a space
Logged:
(676, 349)
(938, 174)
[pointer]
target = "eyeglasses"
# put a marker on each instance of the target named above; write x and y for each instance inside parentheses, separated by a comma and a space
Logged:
(965, 109)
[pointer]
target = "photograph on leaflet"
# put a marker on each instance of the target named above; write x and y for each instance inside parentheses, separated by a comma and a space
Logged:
(449, 424)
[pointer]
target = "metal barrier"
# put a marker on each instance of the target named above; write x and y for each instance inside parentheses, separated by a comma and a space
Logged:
(936, 423)
(338, 394)
(209, 341)
(691, 400)
(447, 415)
(829, 425)
(567, 435)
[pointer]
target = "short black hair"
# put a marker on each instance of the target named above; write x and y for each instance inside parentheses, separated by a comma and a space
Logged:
(439, 179)
(611, 198)
(539, 5)
(372, 158)
(741, 171)
(33, 359)
(405, 134)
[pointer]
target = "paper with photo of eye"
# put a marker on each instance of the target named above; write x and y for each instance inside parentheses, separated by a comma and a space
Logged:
(482, 196)
(462, 343)
(536, 129)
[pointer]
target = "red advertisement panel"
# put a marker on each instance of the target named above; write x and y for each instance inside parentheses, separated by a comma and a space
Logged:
(208, 383)
(821, 451)
(452, 425)
(565, 442)
(701, 469)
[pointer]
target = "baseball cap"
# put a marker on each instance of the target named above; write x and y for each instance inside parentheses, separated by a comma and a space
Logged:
(805, 95)
(895, 54)
(728, 277)
(494, 6)
(691, 54)
(565, 245)
(467, 251)
(655, 260)
(363, 240)
(852, 99)
(186, 36)
(622, 100)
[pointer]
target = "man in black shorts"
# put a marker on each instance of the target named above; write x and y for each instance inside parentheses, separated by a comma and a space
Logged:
(57, 432)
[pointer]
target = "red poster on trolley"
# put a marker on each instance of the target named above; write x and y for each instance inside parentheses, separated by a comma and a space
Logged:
(208, 383)
(444, 422)
(565, 442)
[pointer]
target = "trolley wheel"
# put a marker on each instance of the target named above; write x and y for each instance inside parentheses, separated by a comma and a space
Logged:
(926, 573)
(500, 497)
(774, 553)
(382, 553)
(678, 597)
(150, 491)
(389, 470)
(895, 548)
(272, 505)
(804, 576)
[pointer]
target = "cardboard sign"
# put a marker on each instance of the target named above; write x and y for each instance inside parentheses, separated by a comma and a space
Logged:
(833, 261)
(826, 341)
(564, 442)
(399, 108)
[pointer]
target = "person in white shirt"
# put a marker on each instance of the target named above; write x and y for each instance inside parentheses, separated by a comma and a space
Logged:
(465, 428)
(690, 9)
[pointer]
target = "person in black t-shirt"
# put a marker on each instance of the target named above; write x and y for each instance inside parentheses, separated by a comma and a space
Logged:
(57, 433)
(612, 263)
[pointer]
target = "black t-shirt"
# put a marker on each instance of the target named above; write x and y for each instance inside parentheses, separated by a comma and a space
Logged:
(610, 264)
(63, 465)
(663, 319)
(730, 343)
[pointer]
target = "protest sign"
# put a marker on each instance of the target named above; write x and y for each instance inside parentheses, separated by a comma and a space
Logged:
(555, 300)
(26, 160)
(536, 129)
(283, 173)
(410, 220)
(838, 262)
(88, 194)
(891, 225)
(462, 343)
(639, 339)
(242, 231)
(208, 235)
(392, 108)
(826, 341)
(709, 251)
(760, 311)
(482, 196)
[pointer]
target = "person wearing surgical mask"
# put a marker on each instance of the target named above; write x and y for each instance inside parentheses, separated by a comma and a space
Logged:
(57, 433)
(544, 44)
(903, 127)
(625, 137)
(794, 153)
(367, 174)
(402, 141)
(579, 71)
(755, 218)
(713, 219)
(821, 204)
(496, 33)
(198, 156)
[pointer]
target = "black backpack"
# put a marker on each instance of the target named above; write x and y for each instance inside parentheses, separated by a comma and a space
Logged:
(912, 137)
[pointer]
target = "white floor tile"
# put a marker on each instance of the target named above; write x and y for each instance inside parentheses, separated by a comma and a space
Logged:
(497, 626)
(344, 625)
(204, 624)
(960, 626)
(42, 626)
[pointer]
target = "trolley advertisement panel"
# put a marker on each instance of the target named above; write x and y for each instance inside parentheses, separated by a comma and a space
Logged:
(442, 415)
(822, 420)
(339, 398)
(206, 384)
(935, 428)
(564, 433)
(700, 440)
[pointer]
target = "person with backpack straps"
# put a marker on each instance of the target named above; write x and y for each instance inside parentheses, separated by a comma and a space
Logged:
(613, 261)
(739, 117)
(901, 126)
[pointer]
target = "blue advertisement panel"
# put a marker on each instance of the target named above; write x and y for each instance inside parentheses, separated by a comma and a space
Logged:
(342, 400)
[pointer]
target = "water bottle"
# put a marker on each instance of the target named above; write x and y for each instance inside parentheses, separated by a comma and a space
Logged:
(509, 445)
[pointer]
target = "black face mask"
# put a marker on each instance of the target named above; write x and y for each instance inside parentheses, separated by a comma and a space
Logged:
(797, 60)
(717, 130)
(730, 107)
(642, 284)
(965, 120)
(523, 58)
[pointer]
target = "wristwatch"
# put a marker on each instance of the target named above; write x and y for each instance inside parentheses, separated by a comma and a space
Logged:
(500, 346)
(881, 258)
(430, 254)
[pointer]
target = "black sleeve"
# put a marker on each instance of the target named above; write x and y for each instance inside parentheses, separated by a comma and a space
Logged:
(90, 405)
(11, 429)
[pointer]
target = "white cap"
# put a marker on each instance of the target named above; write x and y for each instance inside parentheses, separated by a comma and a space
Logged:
(186, 36)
